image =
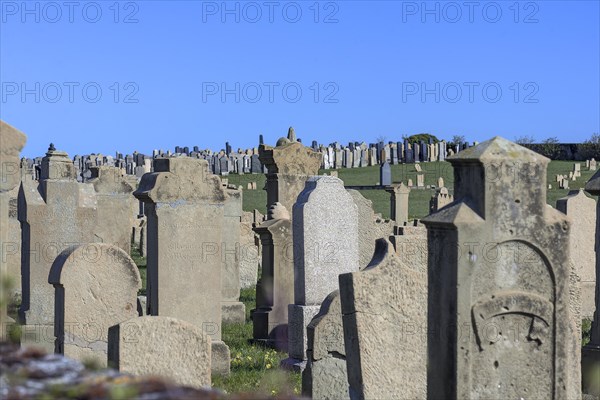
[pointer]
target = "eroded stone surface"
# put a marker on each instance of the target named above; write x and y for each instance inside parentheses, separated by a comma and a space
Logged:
(96, 287)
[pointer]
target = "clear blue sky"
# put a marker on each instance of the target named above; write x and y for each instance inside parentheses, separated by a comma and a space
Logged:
(364, 69)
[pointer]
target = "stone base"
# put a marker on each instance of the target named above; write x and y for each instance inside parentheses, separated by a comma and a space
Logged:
(269, 333)
(233, 312)
(298, 319)
(293, 364)
(590, 370)
(40, 336)
(220, 359)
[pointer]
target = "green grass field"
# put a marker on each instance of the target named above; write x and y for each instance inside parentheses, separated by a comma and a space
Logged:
(419, 199)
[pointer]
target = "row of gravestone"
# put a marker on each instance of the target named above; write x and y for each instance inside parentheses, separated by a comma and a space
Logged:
(496, 305)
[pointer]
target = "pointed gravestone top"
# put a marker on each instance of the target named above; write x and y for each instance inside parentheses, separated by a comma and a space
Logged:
(593, 185)
(291, 135)
(497, 148)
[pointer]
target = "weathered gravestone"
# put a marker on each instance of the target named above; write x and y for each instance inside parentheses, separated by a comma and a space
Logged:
(232, 310)
(116, 206)
(385, 174)
(161, 346)
(56, 214)
(499, 282)
(440, 199)
(582, 211)
(184, 205)
(384, 311)
(11, 143)
(96, 287)
(591, 352)
(370, 228)
(11, 249)
(275, 288)
(325, 232)
(325, 376)
(250, 252)
(399, 194)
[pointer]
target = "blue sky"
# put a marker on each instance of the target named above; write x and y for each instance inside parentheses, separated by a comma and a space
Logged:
(107, 76)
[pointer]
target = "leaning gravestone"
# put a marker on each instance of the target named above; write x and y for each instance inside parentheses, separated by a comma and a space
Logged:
(325, 232)
(96, 287)
(384, 311)
(582, 211)
(325, 376)
(499, 282)
(184, 205)
(11, 143)
(56, 214)
(161, 346)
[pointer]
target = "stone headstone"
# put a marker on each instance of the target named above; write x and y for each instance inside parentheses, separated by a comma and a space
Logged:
(582, 211)
(440, 199)
(399, 194)
(420, 180)
(11, 143)
(325, 231)
(592, 166)
(384, 310)
(275, 288)
(185, 209)
(232, 310)
(325, 376)
(385, 174)
(96, 287)
(250, 259)
(161, 346)
(440, 182)
(500, 259)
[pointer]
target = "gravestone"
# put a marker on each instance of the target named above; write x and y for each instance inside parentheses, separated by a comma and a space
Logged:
(385, 174)
(184, 205)
(275, 288)
(114, 196)
(288, 166)
(582, 211)
(161, 346)
(420, 180)
(441, 198)
(325, 376)
(325, 232)
(11, 143)
(440, 182)
(96, 287)
(592, 165)
(55, 214)
(232, 310)
(591, 352)
(384, 311)
(370, 228)
(499, 282)
(399, 194)
(250, 259)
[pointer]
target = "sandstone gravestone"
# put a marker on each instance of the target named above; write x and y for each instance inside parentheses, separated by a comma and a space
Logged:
(161, 346)
(184, 205)
(325, 376)
(56, 214)
(499, 282)
(233, 311)
(440, 199)
(370, 228)
(11, 143)
(325, 231)
(96, 287)
(275, 288)
(384, 311)
(399, 194)
(114, 195)
(582, 211)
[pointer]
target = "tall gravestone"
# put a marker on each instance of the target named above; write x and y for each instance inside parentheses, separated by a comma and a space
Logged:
(11, 143)
(233, 311)
(591, 352)
(275, 288)
(325, 232)
(384, 312)
(56, 214)
(499, 282)
(385, 174)
(582, 211)
(399, 194)
(96, 287)
(184, 205)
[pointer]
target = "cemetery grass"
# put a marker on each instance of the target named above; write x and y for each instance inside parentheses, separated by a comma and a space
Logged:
(418, 206)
